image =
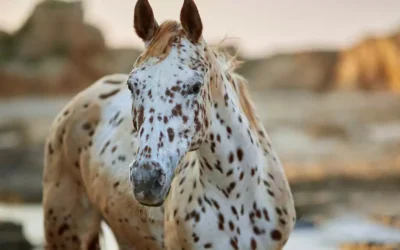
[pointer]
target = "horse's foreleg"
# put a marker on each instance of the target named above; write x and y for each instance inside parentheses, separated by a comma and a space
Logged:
(70, 220)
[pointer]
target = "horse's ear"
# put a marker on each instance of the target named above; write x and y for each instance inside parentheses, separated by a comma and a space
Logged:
(191, 21)
(144, 22)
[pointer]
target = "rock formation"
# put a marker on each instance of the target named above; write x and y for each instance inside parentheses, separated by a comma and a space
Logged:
(313, 70)
(374, 63)
(12, 237)
(55, 52)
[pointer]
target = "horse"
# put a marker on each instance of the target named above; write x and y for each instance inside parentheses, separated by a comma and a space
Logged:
(170, 156)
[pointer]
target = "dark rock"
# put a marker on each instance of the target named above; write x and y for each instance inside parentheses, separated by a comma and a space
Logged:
(21, 174)
(5, 47)
(12, 237)
(304, 224)
(21, 164)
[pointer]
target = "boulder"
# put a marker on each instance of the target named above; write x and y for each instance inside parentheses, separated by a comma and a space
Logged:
(57, 28)
(371, 64)
(12, 237)
(5, 47)
(40, 60)
(21, 164)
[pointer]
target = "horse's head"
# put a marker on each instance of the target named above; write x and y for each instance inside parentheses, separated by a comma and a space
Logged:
(170, 97)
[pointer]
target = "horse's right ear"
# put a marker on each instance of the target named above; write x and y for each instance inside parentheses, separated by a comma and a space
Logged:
(144, 21)
(191, 21)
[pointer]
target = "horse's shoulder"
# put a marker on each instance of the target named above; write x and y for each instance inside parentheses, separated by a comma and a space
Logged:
(84, 111)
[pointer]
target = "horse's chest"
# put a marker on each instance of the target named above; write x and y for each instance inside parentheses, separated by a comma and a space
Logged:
(135, 227)
(220, 225)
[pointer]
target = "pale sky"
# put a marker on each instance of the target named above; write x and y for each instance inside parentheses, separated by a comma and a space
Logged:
(259, 26)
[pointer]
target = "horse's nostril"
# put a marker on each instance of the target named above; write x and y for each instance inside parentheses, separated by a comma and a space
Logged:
(148, 175)
(161, 177)
(157, 185)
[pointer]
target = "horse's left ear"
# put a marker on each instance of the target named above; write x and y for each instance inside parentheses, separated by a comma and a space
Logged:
(144, 22)
(191, 21)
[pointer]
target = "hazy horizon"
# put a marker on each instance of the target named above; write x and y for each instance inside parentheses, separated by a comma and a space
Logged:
(258, 26)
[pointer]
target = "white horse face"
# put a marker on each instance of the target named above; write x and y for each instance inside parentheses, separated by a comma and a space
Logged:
(169, 97)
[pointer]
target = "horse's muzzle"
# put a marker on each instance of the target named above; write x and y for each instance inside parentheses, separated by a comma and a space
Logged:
(150, 182)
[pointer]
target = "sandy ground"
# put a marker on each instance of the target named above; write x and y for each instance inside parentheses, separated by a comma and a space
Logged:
(328, 236)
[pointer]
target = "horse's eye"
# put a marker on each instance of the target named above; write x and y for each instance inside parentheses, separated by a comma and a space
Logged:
(195, 89)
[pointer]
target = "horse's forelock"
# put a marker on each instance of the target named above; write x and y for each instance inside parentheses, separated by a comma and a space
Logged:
(161, 44)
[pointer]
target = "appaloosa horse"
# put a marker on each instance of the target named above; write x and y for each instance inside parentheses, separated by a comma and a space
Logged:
(196, 170)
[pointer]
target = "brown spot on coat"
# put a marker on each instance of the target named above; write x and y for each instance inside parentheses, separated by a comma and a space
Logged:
(276, 235)
(171, 134)
(62, 229)
(50, 149)
(239, 154)
(109, 94)
(111, 81)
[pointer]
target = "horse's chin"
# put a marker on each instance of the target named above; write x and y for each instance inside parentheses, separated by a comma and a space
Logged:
(159, 204)
(152, 205)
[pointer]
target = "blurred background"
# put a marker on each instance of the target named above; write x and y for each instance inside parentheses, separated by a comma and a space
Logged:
(325, 77)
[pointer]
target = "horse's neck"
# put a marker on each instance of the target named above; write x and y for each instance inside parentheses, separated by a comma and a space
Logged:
(233, 156)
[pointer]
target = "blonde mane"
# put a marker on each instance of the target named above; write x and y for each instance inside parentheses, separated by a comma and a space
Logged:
(171, 31)
(228, 64)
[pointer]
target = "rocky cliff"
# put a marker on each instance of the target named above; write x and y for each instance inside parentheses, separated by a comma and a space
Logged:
(374, 63)
(56, 52)
(371, 64)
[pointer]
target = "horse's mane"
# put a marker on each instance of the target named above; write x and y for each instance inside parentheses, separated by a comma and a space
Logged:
(171, 31)
(228, 64)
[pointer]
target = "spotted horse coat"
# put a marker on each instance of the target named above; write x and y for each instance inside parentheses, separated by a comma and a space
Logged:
(171, 156)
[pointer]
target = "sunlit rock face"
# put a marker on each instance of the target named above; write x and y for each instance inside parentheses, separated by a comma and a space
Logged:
(56, 52)
(56, 28)
(373, 64)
